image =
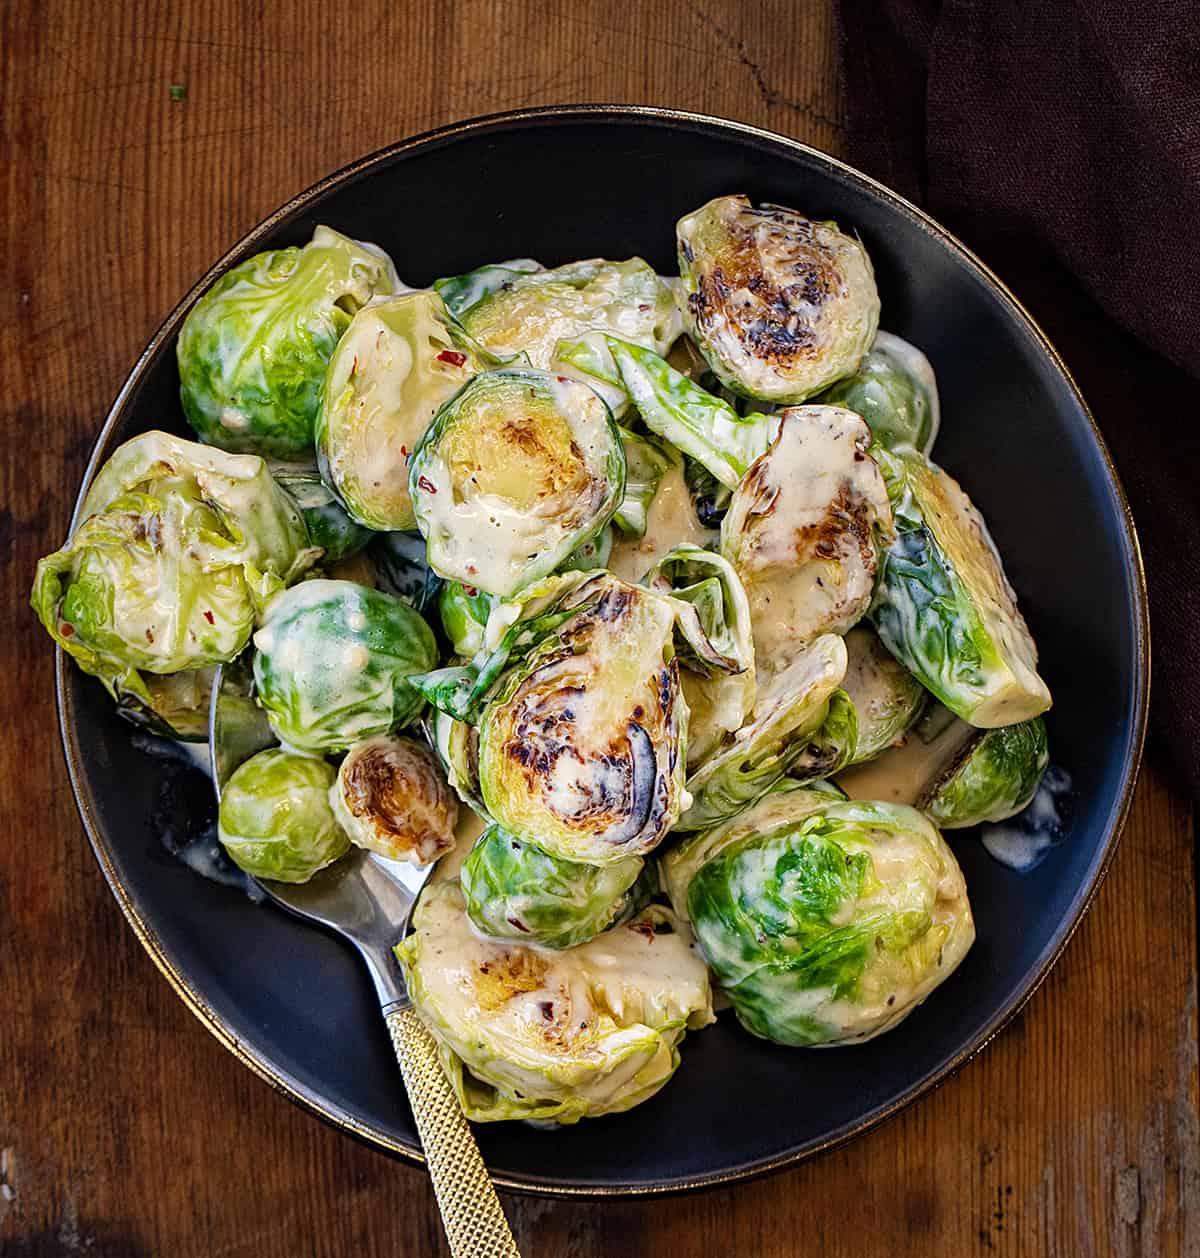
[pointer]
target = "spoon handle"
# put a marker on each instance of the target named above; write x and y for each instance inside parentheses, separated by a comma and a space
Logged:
(471, 1214)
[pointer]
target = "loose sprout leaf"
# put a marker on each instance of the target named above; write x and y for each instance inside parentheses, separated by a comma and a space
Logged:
(464, 612)
(886, 696)
(646, 463)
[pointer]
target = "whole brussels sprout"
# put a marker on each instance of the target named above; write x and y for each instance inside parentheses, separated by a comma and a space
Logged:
(895, 391)
(886, 696)
(254, 349)
(514, 890)
(402, 568)
(804, 530)
(395, 365)
(177, 547)
(464, 611)
(832, 926)
(519, 469)
(582, 744)
(801, 721)
(391, 797)
(332, 662)
(553, 1036)
(779, 305)
(275, 820)
(992, 779)
(329, 527)
(944, 607)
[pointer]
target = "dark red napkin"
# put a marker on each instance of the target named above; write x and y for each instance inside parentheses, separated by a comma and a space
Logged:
(1061, 141)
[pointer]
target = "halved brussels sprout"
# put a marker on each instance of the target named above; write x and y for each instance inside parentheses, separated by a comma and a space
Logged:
(895, 391)
(804, 529)
(800, 719)
(332, 663)
(714, 644)
(464, 611)
(886, 696)
(179, 544)
(254, 349)
(646, 463)
(395, 365)
(519, 469)
(779, 305)
(275, 820)
(581, 748)
(401, 567)
(553, 1036)
(992, 779)
(831, 926)
(944, 607)
(391, 797)
(514, 890)
(329, 527)
(457, 746)
(787, 800)
(461, 292)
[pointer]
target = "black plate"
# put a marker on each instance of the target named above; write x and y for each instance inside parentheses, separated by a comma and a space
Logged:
(559, 184)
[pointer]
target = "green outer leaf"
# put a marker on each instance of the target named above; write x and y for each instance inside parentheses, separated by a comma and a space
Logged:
(464, 612)
(646, 463)
(995, 778)
(329, 527)
(462, 292)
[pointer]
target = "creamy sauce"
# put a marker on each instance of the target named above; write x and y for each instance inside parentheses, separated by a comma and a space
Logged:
(670, 521)
(901, 774)
(1023, 841)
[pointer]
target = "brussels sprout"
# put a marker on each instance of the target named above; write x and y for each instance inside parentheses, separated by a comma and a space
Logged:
(709, 497)
(944, 607)
(804, 529)
(519, 469)
(402, 568)
(787, 800)
(461, 292)
(457, 746)
(831, 926)
(886, 696)
(254, 349)
(175, 705)
(391, 797)
(581, 747)
(591, 555)
(464, 612)
(397, 362)
(590, 361)
(795, 723)
(332, 661)
(531, 313)
(703, 426)
(178, 546)
(995, 777)
(329, 527)
(714, 644)
(779, 305)
(553, 1036)
(646, 463)
(275, 820)
(895, 392)
(514, 890)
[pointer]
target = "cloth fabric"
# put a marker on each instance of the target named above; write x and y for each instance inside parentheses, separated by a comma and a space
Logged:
(1060, 139)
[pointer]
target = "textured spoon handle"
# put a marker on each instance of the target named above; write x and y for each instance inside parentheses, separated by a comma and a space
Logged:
(471, 1214)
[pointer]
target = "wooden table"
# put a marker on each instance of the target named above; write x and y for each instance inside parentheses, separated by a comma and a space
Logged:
(125, 1130)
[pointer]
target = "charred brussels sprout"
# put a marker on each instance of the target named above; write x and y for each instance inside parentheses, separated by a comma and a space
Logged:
(886, 696)
(895, 392)
(391, 797)
(254, 350)
(804, 529)
(329, 527)
(514, 890)
(397, 362)
(275, 820)
(581, 747)
(519, 469)
(944, 607)
(780, 306)
(553, 1036)
(332, 663)
(177, 547)
(831, 926)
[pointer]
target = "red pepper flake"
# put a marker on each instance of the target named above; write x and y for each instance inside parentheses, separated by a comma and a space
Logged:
(643, 307)
(453, 357)
(212, 620)
(354, 365)
(470, 591)
(472, 569)
(563, 379)
(404, 452)
(643, 928)
(66, 630)
(423, 482)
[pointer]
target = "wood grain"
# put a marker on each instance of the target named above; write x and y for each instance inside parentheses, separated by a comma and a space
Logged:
(125, 1131)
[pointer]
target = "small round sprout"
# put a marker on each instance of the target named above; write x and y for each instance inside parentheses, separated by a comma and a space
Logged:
(886, 696)
(275, 820)
(397, 362)
(514, 890)
(519, 469)
(329, 527)
(526, 1033)
(254, 349)
(994, 778)
(391, 797)
(332, 661)
(780, 306)
(831, 926)
(804, 531)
